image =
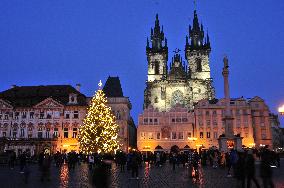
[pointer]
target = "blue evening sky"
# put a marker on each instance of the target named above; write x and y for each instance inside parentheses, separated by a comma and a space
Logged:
(82, 41)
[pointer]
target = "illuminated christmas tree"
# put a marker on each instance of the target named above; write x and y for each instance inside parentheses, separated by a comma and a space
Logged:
(99, 130)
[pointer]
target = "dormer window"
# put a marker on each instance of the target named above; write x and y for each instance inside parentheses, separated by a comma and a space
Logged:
(72, 98)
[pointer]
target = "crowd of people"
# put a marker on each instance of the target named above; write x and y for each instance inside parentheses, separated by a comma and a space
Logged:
(237, 164)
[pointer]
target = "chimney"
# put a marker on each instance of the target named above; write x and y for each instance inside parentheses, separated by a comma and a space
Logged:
(78, 87)
(13, 86)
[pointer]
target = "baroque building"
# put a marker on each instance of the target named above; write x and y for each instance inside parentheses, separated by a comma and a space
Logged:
(37, 118)
(180, 108)
(180, 83)
(121, 106)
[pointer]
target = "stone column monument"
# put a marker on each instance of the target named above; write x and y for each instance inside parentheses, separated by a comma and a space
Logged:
(229, 138)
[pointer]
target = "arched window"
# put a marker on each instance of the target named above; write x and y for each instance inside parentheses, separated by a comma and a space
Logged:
(118, 116)
(157, 68)
(198, 65)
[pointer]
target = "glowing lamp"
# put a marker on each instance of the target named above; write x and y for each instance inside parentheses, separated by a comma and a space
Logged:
(281, 109)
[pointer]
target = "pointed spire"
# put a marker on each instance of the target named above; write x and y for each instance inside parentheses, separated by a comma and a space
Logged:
(157, 20)
(186, 40)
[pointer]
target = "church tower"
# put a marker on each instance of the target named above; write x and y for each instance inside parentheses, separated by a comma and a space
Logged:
(157, 54)
(197, 50)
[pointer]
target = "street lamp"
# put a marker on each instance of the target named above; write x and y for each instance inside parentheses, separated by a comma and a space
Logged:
(281, 109)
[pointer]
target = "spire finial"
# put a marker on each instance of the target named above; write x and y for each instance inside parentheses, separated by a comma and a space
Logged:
(194, 2)
(100, 84)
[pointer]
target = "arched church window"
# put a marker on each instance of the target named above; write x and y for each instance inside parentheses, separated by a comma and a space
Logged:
(118, 116)
(156, 100)
(198, 65)
(157, 68)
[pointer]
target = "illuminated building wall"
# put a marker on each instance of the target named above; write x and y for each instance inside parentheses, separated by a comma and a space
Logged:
(205, 124)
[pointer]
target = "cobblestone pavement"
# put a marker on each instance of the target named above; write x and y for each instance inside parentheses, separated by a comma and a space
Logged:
(149, 177)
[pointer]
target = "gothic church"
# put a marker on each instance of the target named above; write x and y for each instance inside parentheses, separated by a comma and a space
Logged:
(181, 83)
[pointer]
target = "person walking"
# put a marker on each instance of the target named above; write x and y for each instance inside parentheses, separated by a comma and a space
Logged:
(250, 170)
(265, 169)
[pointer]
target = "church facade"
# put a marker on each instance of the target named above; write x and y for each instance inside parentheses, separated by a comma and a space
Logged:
(183, 83)
(180, 108)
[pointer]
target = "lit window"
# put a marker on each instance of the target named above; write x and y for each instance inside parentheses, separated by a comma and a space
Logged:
(215, 135)
(65, 133)
(158, 136)
(201, 134)
(180, 135)
(55, 133)
(74, 133)
(208, 134)
(150, 136)
(174, 135)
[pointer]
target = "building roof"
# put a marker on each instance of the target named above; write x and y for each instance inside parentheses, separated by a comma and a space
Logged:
(28, 96)
(112, 87)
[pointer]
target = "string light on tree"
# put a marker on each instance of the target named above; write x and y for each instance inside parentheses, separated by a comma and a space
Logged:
(99, 132)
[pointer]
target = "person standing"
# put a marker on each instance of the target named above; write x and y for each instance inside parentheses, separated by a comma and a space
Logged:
(46, 168)
(134, 165)
(250, 169)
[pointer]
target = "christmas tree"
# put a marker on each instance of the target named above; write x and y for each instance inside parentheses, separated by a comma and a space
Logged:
(99, 130)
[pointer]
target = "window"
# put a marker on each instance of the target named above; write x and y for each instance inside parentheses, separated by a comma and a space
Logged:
(207, 113)
(173, 120)
(32, 115)
(201, 134)
(263, 136)
(14, 134)
(29, 135)
(223, 113)
(76, 114)
(74, 133)
(0, 115)
(200, 123)
(245, 112)
(208, 123)
(178, 120)
(24, 115)
(188, 134)
(198, 65)
(150, 136)
(155, 121)
(215, 135)
(208, 134)
(48, 115)
(56, 114)
(65, 132)
(41, 115)
(143, 135)
(67, 116)
(16, 115)
(158, 136)
(174, 135)
(145, 120)
(22, 133)
(39, 134)
(6, 116)
(55, 133)
(157, 71)
(180, 135)
(47, 133)
(4, 134)
(215, 123)
(214, 113)
(184, 120)
(118, 116)
(156, 100)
